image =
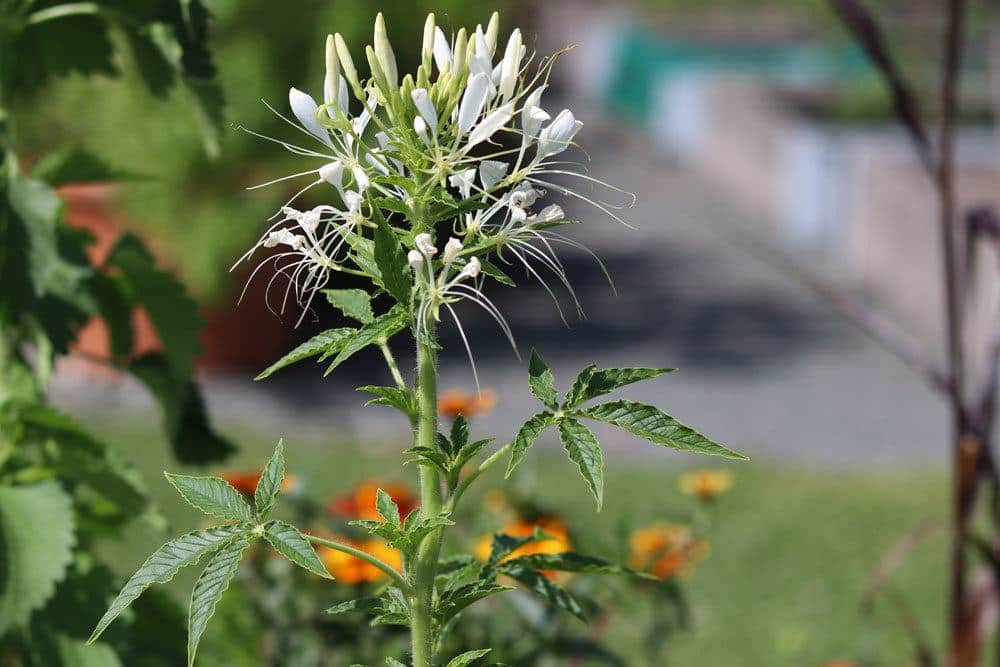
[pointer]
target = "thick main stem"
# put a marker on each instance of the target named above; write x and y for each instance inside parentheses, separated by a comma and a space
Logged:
(425, 563)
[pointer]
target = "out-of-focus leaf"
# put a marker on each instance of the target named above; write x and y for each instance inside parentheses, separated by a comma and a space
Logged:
(70, 44)
(547, 589)
(192, 438)
(36, 542)
(79, 165)
(569, 561)
(116, 311)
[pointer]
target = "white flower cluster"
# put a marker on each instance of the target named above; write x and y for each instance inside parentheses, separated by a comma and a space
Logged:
(470, 123)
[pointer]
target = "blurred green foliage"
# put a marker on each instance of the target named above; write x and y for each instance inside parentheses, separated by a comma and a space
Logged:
(197, 208)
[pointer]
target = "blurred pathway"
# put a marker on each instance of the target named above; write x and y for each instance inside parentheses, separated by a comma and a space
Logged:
(762, 365)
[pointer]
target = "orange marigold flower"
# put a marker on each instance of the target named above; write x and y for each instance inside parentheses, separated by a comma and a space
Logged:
(706, 484)
(360, 503)
(351, 570)
(455, 402)
(557, 541)
(665, 550)
(245, 481)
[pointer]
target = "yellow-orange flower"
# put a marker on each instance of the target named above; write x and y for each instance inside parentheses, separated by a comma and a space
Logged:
(665, 550)
(557, 541)
(351, 570)
(455, 402)
(245, 481)
(360, 503)
(706, 484)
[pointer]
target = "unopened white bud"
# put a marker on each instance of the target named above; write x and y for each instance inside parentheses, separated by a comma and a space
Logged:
(451, 250)
(425, 244)
(472, 269)
(383, 50)
(420, 127)
(415, 259)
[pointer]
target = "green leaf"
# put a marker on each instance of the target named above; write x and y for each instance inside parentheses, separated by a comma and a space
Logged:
(526, 437)
(392, 662)
(36, 542)
(185, 420)
(379, 330)
(269, 485)
(360, 604)
(209, 587)
(459, 433)
(292, 544)
(354, 303)
(165, 562)
(496, 273)
(503, 545)
(331, 339)
(391, 261)
(116, 311)
(387, 508)
(455, 601)
(585, 451)
(172, 311)
(540, 379)
(547, 589)
(395, 397)
(468, 657)
(79, 165)
(656, 426)
(591, 382)
(213, 496)
(568, 561)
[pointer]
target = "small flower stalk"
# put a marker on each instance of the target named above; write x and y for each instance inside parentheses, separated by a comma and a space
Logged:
(434, 185)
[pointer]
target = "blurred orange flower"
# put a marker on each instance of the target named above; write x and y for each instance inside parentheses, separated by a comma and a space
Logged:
(351, 570)
(665, 550)
(706, 484)
(557, 541)
(360, 503)
(455, 402)
(245, 481)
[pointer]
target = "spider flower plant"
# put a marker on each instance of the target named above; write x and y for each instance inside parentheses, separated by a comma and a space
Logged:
(433, 182)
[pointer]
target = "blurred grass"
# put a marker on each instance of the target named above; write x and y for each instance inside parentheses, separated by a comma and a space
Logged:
(791, 550)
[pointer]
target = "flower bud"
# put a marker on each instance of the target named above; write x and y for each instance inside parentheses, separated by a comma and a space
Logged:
(442, 50)
(415, 259)
(451, 250)
(510, 65)
(472, 269)
(493, 32)
(425, 244)
(420, 127)
(383, 49)
(331, 82)
(427, 48)
(347, 64)
(426, 108)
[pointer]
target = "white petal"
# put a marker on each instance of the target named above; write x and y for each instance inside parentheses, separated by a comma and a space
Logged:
(472, 102)
(442, 51)
(491, 171)
(480, 61)
(490, 124)
(420, 127)
(532, 120)
(534, 99)
(333, 173)
(361, 178)
(463, 181)
(426, 108)
(304, 107)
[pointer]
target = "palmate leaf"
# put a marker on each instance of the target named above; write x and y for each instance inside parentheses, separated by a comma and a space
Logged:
(354, 303)
(165, 562)
(330, 339)
(36, 541)
(269, 485)
(541, 381)
(292, 544)
(213, 496)
(526, 437)
(653, 424)
(593, 382)
(210, 586)
(394, 397)
(584, 450)
(391, 260)
(468, 657)
(381, 329)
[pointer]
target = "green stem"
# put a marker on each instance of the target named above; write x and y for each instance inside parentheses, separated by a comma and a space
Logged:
(393, 366)
(425, 563)
(363, 555)
(456, 495)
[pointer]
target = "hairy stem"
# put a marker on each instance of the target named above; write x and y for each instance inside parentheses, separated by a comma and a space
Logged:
(363, 555)
(425, 563)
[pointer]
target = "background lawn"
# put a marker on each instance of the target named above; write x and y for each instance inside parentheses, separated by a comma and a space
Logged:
(791, 550)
